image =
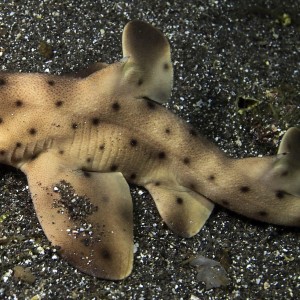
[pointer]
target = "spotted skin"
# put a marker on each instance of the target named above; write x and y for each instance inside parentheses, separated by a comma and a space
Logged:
(80, 139)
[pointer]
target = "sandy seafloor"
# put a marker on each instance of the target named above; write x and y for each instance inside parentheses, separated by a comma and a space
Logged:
(224, 52)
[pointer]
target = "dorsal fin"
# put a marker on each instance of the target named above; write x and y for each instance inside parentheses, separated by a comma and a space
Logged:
(148, 67)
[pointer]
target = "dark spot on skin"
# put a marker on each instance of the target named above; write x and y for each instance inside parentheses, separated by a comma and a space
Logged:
(186, 160)
(32, 131)
(133, 142)
(51, 82)
(140, 82)
(133, 176)
(244, 189)
(74, 125)
(161, 155)
(263, 213)
(88, 160)
(211, 178)
(18, 144)
(19, 103)
(105, 254)
(280, 194)
(87, 174)
(284, 173)
(225, 202)
(193, 132)
(166, 66)
(157, 183)
(2, 152)
(192, 187)
(116, 106)
(33, 157)
(150, 103)
(167, 131)
(179, 200)
(1, 120)
(101, 147)
(59, 103)
(95, 121)
(2, 81)
(125, 214)
(114, 168)
(61, 152)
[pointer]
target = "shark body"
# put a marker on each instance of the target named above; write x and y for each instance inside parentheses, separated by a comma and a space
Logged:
(80, 139)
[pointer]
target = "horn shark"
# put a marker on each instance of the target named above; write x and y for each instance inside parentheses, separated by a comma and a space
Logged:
(81, 139)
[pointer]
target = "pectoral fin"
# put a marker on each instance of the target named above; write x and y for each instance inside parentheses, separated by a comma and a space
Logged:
(184, 211)
(87, 215)
(148, 70)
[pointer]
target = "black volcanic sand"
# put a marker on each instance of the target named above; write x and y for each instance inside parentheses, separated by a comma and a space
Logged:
(228, 56)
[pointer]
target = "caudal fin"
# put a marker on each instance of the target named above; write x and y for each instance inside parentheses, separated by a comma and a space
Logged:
(269, 187)
(286, 169)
